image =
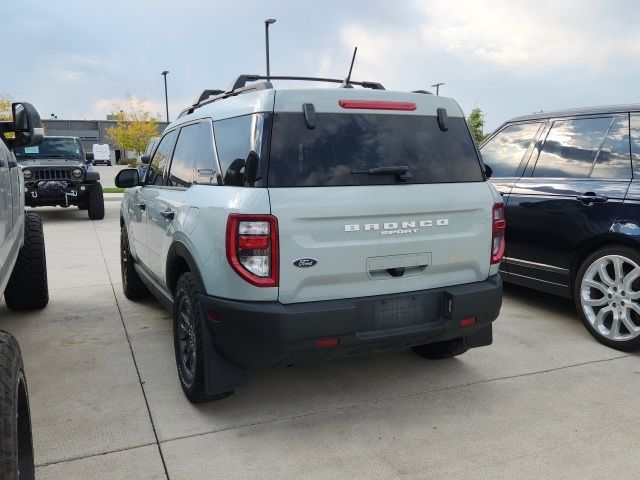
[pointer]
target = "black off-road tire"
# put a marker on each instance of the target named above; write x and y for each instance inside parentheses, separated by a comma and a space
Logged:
(16, 444)
(28, 287)
(192, 385)
(438, 350)
(132, 286)
(95, 202)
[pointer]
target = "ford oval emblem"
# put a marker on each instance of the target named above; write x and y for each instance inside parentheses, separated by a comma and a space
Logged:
(305, 262)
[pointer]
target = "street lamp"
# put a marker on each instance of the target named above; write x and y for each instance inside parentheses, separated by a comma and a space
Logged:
(166, 97)
(437, 85)
(268, 22)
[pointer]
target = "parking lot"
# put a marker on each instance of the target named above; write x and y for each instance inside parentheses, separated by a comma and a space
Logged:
(544, 401)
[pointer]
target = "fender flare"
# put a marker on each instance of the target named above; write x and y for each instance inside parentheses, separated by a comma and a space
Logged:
(179, 250)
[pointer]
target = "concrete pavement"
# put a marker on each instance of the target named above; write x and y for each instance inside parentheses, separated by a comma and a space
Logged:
(544, 401)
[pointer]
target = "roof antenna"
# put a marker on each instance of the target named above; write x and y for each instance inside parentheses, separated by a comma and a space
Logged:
(346, 83)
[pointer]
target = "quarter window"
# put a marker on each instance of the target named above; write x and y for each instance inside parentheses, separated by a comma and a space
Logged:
(183, 162)
(161, 158)
(571, 147)
(635, 143)
(504, 152)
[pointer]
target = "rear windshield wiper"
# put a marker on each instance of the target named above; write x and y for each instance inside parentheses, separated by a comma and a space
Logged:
(400, 171)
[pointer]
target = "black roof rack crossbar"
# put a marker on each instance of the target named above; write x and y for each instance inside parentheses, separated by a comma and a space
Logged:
(206, 94)
(242, 80)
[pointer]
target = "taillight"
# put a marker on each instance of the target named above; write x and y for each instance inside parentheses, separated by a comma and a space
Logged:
(497, 238)
(252, 248)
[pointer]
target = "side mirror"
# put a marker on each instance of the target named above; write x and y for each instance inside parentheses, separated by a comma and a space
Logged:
(26, 126)
(145, 159)
(488, 171)
(89, 156)
(128, 178)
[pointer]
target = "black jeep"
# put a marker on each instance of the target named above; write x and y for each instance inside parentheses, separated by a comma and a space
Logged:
(58, 172)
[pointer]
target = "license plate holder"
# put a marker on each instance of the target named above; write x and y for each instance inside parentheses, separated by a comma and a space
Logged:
(392, 313)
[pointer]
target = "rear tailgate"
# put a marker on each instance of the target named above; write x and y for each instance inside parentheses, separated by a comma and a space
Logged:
(373, 240)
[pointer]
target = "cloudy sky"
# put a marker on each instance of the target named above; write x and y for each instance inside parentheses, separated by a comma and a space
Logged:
(75, 58)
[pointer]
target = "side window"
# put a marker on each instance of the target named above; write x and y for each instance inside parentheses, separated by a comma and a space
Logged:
(237, 140)
(504, 152)
(571, 147)
(614, 160)
(635, 143)
(161, 158)
(180, 173)
(207, 168)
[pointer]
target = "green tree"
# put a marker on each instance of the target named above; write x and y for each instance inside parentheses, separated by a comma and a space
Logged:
(135, 125)
(476, 123)
(5, 107)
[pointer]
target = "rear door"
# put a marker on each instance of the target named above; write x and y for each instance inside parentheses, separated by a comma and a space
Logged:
(570, 195)
(346, 231)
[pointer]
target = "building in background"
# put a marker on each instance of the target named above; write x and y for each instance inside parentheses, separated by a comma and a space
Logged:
(90, 132)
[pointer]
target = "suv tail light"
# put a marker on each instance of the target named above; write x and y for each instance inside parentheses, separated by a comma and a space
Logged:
(252, 248)
(497, 238)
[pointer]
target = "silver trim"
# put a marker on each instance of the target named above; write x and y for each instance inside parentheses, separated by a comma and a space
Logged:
(538, 266)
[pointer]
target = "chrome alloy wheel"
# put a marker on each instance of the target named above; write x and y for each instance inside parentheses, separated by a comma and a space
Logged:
(610, 297)
(187, 338)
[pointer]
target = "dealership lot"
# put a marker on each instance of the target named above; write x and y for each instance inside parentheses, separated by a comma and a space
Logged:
(544, 401)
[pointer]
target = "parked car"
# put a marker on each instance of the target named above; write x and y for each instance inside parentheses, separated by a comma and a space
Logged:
(101, 154)
(573, 211)
(23, 280)
(55, 174)
(313, 224)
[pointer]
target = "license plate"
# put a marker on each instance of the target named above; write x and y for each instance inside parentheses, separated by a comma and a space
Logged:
(394, 313)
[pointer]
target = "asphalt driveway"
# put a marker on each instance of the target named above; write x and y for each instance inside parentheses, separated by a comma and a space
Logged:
(544, 401)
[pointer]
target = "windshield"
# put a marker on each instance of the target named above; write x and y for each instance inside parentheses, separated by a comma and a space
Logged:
(370, 149)
(52, 147)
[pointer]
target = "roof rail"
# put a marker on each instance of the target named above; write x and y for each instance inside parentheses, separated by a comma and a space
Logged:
(240, 86)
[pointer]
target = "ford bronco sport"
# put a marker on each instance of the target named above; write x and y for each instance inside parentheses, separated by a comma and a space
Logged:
(55, 174)
(283, 226)
(23, 279)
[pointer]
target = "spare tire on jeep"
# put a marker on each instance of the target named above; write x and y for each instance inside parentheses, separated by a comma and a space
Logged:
(28, 286)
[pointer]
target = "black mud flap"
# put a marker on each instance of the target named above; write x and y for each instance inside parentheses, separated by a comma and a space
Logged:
(481, 338)
(220, 375)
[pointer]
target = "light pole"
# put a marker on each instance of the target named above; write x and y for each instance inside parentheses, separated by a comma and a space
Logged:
(268, 22)
(437, 85)
(166, 97)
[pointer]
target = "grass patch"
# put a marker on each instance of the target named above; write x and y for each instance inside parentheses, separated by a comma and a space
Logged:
(113, 190)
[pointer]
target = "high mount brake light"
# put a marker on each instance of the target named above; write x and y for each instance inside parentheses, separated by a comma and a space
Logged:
(497, 238)
(252, 248)
(377, 105)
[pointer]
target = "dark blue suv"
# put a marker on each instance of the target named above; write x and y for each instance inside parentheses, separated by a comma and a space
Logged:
(571, 185)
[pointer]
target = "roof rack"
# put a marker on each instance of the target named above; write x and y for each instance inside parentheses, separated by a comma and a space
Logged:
(240, 86)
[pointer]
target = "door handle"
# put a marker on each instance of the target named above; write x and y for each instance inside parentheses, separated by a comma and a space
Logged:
(142, 206)
(590, 197)
(168, 214)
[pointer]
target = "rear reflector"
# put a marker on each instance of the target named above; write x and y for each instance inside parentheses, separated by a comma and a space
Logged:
(468, 321)
(377, 105)
(213, 315)
(328, 342)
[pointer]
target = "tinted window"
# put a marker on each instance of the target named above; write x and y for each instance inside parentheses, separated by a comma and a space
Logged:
(183, 162)
(205, 156)
(236, 139)
(161, 158)
(614, 159)
(343, 147)
(571, 147)
(504, 152)
(635, 143)
(52, 147)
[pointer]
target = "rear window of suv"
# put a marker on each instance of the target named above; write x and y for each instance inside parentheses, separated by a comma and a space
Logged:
(342, 144)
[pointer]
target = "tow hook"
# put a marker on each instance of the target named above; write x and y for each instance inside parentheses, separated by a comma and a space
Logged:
(70, 193)
(34, 194)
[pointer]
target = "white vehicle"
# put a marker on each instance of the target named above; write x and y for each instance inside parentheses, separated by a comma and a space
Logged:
(101, 154)
(285, 226)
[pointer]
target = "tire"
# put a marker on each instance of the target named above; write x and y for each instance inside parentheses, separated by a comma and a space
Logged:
(187, 341)
(606, 292)
(438, 350)
(95, 202)
(108, 164)
(132, 286)
(28, 287)
(16, 443)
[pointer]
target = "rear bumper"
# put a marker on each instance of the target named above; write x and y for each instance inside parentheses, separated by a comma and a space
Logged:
(261, 334)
